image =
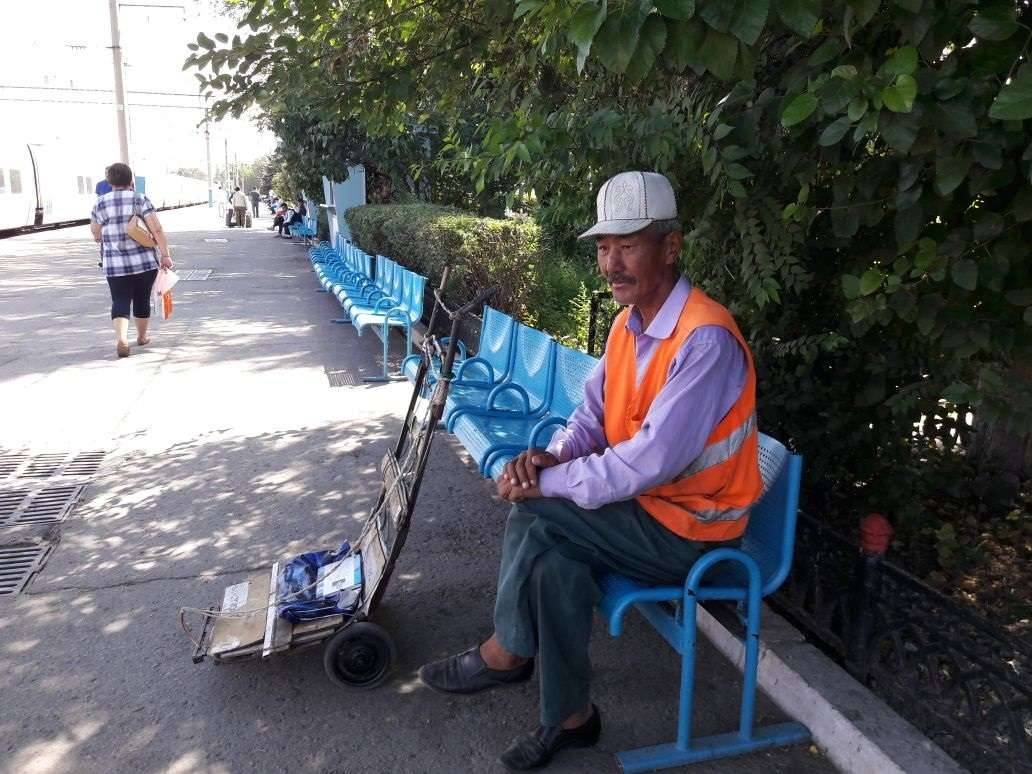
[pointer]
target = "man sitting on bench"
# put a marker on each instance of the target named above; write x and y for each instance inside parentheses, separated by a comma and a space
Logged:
(656, 466)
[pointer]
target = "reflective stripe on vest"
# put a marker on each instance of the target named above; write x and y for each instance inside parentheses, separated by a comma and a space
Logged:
(720, 451)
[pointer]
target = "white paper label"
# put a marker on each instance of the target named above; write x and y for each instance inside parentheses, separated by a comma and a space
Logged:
(235, 596)
(345, 574)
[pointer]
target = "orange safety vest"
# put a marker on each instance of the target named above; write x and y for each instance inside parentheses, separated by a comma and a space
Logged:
(711, 498)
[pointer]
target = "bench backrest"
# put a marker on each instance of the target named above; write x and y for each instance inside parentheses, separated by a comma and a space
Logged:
(412, 298)
(497, 334)
(533, 367)
(572, 369)
(770, 536)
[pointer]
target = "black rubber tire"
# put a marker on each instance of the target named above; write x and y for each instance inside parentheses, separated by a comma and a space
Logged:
(359, 657)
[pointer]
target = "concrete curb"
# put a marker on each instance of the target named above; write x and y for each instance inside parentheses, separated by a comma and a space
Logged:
(856, 730)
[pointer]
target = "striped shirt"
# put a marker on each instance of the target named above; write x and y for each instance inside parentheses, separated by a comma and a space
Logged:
(120, 254)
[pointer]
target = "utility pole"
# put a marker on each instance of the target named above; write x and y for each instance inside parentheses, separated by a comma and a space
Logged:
(225, 168)
(120, 99)
(207, 149)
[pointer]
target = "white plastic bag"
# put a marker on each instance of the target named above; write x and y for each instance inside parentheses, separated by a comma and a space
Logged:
(165, 280)
(161, 292)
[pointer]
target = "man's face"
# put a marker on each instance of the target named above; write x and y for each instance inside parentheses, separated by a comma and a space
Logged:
(636, 265)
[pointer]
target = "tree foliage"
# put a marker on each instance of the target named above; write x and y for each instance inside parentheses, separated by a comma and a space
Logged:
(854, 174)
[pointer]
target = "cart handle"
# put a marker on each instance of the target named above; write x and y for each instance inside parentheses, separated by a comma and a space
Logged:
(479, 299)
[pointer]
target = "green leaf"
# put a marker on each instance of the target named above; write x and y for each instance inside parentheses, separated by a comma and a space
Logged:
(676, 9)
(684, 45)
(899, 130)
(736, 171)
(834, 132)
(899, 97)
(950, 172)
(222, 37)
(617, 39)
(825, 52)
(736, 189)
(1023, 205)
(863, 10)
(850, 286)
(965, 273)
(955, 119)
(1014, 102)
(582, 30)
(995, 21)
(651, 40)
(844, 71)
(718, 15)
(798, 109)
(204, 41)
(750, 20)
(1021, 297)
(722, 131)
(870, 281)
(719, 52)
(902, 62)
(857, 108)
(1027, 317)
(913, 6)
(800, 16)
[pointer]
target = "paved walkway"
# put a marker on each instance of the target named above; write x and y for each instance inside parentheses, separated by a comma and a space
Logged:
(227, 448)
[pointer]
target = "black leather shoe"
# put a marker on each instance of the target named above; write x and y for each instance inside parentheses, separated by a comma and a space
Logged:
(532, 751)
(467, 673)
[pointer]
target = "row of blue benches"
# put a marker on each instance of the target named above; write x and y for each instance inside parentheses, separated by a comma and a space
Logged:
(390, 298)
(513, 394)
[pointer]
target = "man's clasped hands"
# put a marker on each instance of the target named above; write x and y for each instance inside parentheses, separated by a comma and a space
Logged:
(519, 479)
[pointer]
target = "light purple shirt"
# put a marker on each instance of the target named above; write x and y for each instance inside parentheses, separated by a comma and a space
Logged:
(705, 380)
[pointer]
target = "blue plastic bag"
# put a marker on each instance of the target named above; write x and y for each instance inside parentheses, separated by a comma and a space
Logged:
(298, 588)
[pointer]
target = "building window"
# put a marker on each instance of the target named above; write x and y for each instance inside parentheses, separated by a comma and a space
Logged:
(3, 183)
(81, 186)
(16, 181)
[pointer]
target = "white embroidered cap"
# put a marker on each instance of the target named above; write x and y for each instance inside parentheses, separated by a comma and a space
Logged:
(630, 201)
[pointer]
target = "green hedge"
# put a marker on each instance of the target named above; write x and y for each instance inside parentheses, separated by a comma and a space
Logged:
(535, 288)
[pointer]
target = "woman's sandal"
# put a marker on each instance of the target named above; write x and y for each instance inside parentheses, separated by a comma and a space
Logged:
(122, 349)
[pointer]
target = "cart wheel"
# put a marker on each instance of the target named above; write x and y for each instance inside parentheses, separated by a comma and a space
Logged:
(359, 656)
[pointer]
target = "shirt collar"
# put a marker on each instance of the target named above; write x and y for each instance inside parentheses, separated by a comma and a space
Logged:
(662, 326)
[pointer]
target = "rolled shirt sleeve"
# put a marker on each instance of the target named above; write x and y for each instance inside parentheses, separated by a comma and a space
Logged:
(704, 382)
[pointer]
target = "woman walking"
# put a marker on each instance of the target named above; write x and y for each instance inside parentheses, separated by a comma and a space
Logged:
(129, 266)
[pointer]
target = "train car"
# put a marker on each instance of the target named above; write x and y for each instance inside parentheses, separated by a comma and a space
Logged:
(44, 183)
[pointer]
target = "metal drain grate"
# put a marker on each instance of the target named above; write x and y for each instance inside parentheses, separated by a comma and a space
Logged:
(10, 462)
(84, 464)
(10, 501)
(18, 564)
(43, 505)
(21, 465)
(43, 466)
(341, 378)
(194, 275)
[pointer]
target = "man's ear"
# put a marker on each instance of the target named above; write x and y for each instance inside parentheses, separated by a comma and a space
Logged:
(673, 244)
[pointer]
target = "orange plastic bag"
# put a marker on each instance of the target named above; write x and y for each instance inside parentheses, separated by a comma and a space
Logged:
(166, 304)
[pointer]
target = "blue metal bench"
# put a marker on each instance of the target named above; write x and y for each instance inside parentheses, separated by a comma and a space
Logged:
(390, 312)
(493, 359)
(525, 389)
(744, 575)
(495, 437)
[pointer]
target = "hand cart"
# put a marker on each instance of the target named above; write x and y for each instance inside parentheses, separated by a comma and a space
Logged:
(358, 653)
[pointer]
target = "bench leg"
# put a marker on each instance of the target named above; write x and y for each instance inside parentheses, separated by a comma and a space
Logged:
(747, 739)
(387, 377)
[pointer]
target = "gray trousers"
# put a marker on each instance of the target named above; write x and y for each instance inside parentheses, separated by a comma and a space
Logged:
(547, 589)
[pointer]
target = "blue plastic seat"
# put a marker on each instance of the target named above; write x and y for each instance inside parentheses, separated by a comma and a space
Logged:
(744, 575)
(572, 369)
(532, 355)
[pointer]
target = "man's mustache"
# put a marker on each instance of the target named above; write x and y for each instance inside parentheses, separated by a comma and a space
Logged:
(624, 279)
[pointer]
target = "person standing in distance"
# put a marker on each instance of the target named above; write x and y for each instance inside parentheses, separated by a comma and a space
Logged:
(255, 198)
(239, 200)
(130, 267)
